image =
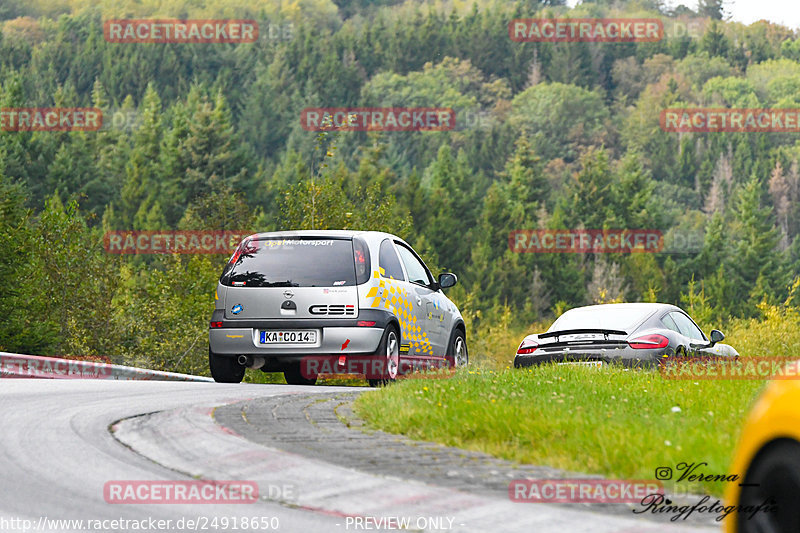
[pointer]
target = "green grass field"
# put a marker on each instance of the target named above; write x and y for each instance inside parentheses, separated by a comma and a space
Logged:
(610, 421)
(616, 422)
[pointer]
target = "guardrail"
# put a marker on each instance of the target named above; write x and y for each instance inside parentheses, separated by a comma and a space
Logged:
(16, 366)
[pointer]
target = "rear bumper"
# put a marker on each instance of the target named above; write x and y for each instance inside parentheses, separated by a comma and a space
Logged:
(334, 336)
(623, 356)
(330, 340)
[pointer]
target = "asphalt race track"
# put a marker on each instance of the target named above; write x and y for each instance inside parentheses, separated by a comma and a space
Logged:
(63, 441)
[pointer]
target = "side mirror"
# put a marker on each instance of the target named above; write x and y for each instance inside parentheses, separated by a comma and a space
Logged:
(447, 279)
(716, 336)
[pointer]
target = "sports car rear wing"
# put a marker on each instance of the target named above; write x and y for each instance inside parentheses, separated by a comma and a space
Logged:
(605, 332)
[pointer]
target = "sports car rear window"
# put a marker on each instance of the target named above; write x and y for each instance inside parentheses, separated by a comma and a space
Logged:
(687, 327)
(621, 318)
(293, 262)
(670, 324)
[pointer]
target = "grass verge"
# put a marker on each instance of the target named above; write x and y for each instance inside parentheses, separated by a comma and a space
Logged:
(610, 421)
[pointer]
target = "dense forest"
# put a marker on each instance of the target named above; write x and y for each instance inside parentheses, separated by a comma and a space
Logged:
(548, 135)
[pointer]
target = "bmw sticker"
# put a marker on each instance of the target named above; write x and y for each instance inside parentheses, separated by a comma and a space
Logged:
(236, 309)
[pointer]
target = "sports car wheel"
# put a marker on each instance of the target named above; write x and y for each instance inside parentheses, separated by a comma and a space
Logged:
(773, 479)
(458, 349)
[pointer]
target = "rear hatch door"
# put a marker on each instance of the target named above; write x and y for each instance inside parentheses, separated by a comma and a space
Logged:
(308, 277)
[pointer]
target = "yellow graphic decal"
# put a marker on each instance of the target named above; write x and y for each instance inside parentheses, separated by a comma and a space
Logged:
(387, 294)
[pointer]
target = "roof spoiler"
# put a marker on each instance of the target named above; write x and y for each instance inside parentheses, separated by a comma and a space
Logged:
(605, 332)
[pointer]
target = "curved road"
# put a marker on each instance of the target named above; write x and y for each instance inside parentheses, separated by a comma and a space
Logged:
(63, 441)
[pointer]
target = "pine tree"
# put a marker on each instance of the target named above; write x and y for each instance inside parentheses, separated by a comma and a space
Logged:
(780, 190)
(711, 8)
(714, 41)
(756, 241)
(203, 153)
(591, 191)
(143, 169)
(273, 95)
(632, 193)
(110, 146)
(715, 248)
(454, 213)
(21, 330)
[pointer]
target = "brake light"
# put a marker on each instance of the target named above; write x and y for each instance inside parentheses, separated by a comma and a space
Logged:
(649, 341)
(236, 254)
(366, 323)
(246, 247)
(216, 324)
(361, 258)
(527, 346)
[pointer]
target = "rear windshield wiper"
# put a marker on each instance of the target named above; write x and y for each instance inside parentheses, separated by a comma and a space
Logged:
(287, 283)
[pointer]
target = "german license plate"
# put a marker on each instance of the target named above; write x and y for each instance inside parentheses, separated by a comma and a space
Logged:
(584, 363)
(293, 336)
(581, 337)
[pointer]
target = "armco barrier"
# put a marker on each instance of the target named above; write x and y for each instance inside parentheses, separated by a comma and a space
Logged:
(16, 366)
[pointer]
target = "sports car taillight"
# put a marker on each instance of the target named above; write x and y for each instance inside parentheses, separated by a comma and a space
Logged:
(649, 341)
(527, 346)
(216, 324)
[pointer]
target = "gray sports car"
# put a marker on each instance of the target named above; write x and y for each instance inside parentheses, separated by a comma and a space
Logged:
(633, 334)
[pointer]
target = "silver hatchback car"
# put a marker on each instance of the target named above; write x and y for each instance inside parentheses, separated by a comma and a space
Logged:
(293, 297)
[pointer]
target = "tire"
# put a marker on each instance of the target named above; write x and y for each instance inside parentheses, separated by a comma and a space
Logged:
(774, 475)
(389, 350)
(458, 349)
(666, 362)
(225, 369)
(294, 376)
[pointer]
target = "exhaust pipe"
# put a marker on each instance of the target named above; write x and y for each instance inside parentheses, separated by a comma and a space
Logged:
(251, 362)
